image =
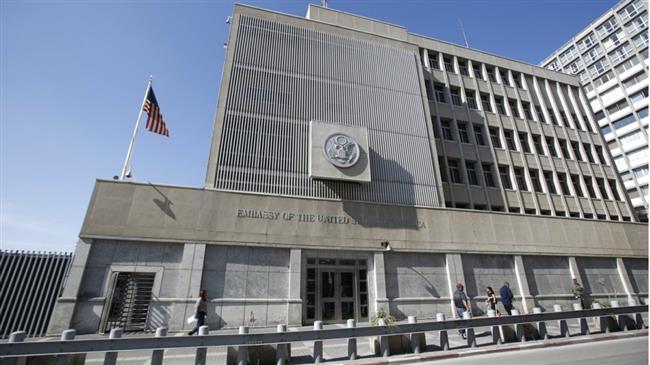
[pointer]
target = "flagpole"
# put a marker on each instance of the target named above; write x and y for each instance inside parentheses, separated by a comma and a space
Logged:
(135, 131)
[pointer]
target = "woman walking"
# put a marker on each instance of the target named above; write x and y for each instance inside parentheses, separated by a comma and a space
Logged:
(201, 310)
(491, 298)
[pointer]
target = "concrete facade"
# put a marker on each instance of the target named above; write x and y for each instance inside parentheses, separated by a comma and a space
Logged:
(272, 245)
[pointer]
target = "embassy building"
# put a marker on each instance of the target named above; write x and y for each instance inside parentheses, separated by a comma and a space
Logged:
(356, 167)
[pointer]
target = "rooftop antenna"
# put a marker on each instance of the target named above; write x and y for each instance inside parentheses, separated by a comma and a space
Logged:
(462, 30)
(323, 3)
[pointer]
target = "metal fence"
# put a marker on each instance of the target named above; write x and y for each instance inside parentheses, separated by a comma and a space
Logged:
(29, 285)
(624, 318)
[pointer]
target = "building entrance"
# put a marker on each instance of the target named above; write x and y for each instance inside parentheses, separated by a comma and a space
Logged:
(336, 290)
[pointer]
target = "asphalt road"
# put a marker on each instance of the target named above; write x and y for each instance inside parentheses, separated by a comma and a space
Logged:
(627, 351)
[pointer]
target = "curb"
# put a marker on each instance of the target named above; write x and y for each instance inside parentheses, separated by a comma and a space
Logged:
(440, 355)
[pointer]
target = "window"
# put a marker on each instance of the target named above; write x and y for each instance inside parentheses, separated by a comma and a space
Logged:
(632, 138)
(631, 10)
(462, 66)
(607, 27)
(478, 135)
(471, 99)
(601, 155)
(513, 108)
(643, 112)
(454, 172)
(517, 78)
(632, 80)
(612, 185)
(527, 112)
(429, 92)
(553, 119)
(446, 130)
(443, 170)
(622, 122)
(564, 148)
(476, 67)
(433, 60)
(616, 107)
(641, 40)
(534, 178)
(500, 107)
(601, 187)
(521, 180)
(540, 115)
(565, 120)
(575, 180)
(550, 184)
(487, 175)
(575, 146)
(455, 96)
(637, 24)
(598, 67)
(590, 187)
(606, 129)
(523, 139)
(586, 42)
(600, 115)
(563, 184)
(590, 156)
(593, 54)
(613, 40)
(494, 136)
(575, 66)
(491, 74)
(485, 101)
(440, 93)
(568, 55)
(584, 79)
(550, 142)
(462, 132)
(621, 53)
(449, 66)
(434, 124)
(510, 140)
(504, 174)
(537, 141)
(639, 95)
(471, 173)
(504, 76)
(631, 62)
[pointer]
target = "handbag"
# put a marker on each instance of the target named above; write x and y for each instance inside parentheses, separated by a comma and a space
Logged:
(191, 319)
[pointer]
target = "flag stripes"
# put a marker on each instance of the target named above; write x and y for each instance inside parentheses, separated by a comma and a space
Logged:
(155, 121)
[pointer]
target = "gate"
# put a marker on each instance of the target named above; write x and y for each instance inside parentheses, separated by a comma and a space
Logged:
(128, 305)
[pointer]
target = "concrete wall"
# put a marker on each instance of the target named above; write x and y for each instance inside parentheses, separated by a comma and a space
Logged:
(637, 271)
(549, 280)
(600, 278)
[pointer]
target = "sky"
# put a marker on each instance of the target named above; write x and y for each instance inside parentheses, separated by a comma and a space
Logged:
(73, 75)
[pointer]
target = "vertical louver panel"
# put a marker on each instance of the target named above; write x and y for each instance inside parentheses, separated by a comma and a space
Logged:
(284, 76)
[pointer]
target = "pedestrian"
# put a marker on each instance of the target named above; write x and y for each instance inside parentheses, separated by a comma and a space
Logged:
(579, 292)
(200, 311)
(462, 304)
(491, 299)
(506, 297)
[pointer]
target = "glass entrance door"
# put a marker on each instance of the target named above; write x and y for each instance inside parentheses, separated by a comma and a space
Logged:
(337, 295)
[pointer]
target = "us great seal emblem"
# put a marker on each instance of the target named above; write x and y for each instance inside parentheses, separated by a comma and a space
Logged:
(341, 150)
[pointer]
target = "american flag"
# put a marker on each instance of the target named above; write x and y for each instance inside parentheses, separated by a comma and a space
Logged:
(155, 121)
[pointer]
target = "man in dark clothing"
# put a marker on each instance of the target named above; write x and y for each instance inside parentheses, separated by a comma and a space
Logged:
(462, 304)
(506, 297)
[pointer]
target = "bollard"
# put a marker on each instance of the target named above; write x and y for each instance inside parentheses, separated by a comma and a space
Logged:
(18, 336)
(496, 335)
(621, 318)
(384, 348)
(242, 351)
(519, 328)
(111, 357)
(541, 325)
(281, 349)
(352, 342)
(444, 338)
(602, 320)
(318, 345)
(636, 317)
(67, 335)
(157, 355)
(469, 332)
(564, 329)
(202, 352)
(582, 321)
(414, 337)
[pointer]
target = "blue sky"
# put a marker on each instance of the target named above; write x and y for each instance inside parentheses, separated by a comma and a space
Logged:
(73, 75)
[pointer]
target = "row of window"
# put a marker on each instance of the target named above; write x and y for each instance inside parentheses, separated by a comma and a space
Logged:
(558, 213)
(477, 69)
(524, 142)
(623, 121)
(439, 96)
(555, 183)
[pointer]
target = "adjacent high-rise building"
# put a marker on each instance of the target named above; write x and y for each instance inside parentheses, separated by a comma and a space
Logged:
(610, 56)
(356, 167)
